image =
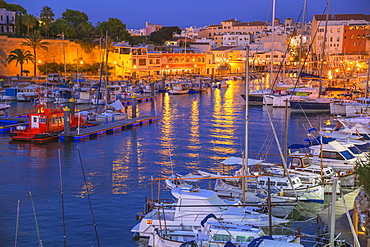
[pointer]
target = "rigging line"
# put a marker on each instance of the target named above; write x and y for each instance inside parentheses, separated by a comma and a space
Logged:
(305, 60)
(16, 225)
(88, 196)
(37, 224)
(281, 153)
(349, 218)
(62, 196)
(285, 53)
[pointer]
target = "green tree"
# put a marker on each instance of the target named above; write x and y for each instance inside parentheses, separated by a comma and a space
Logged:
(20, 56)
(12, 7)
(116, 29)
(47, 17)
(79, 22)
(35, 42)
(74, 17)
(164, 34)
(29, 21)
(84, 30)
(363, 172)
(62, 26)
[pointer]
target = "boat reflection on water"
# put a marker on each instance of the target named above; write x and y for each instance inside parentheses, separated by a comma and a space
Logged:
(194, 131)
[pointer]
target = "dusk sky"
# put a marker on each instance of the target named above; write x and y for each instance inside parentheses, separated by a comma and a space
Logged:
(185, 13)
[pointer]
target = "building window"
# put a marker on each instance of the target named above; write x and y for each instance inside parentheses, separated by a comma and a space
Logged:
(170, 60)
(338, 39)
(142, 62)
(157, 61)
(134, 61)
(150, 61)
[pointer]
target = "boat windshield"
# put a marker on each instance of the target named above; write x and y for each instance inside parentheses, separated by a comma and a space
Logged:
(347, 155)
(355, 150)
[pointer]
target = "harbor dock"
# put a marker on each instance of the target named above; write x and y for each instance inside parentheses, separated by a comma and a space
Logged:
(7, 123)
(107, 128)
(342, 225)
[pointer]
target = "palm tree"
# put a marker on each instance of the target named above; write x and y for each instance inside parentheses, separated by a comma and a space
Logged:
(35, 42)
(20, 56)
(29, 21)
(47, 16)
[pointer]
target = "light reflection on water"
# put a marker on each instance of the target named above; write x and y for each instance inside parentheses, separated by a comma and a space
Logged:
(193, 132)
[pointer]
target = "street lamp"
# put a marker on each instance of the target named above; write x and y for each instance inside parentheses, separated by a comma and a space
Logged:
(39, 62)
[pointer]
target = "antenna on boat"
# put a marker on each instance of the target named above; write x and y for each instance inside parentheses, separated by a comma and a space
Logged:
(88, 196)
(62, 195)
(16, 225)
(37, 225)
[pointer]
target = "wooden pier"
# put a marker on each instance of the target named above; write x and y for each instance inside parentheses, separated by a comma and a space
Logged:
(128, 101)
(8, 123)
(107, 128)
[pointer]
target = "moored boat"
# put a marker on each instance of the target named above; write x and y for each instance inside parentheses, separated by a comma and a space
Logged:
(45, 125)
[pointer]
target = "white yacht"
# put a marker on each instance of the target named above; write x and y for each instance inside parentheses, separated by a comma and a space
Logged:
(193, 204)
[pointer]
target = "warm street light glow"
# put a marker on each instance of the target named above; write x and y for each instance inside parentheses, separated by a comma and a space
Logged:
(134, 66)
(115, 62)
(81, 62)
(39, 61)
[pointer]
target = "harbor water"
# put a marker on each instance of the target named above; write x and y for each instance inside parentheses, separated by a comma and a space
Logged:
(194, 132)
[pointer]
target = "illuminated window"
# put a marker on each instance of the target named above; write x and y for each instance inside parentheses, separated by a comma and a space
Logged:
(170, 60)
(142, 62)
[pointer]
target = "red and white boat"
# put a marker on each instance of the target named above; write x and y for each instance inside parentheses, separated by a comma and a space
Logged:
(45, 125)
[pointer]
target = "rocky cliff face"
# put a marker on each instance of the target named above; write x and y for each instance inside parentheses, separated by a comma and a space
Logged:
(54, 54)
(362, 204)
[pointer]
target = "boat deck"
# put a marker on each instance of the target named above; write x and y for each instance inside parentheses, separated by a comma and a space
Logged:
(107, 128)
(9, 123)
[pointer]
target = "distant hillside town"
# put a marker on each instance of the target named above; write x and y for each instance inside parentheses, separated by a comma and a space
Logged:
(72, 44)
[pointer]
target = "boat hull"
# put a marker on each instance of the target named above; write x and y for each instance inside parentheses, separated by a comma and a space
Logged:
(309, 106)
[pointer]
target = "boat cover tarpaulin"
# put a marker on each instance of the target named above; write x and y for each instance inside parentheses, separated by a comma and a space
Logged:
(304, 75)
(238, 161)
(117, 105)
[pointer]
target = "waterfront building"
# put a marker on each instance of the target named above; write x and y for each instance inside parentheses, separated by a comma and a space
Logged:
(347, 41)
(7, 21)
(150, 28)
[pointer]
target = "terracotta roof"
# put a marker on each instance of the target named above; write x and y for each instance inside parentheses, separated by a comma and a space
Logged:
(231, 20)
(322, 17)
(224, 48)
(214, 25)
(343, 17)
(253, 23)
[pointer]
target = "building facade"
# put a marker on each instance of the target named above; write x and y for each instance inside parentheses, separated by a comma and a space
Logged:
(7, 21)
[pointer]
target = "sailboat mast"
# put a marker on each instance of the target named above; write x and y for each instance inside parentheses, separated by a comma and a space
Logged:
(323, 47)
(64, 58)
(246, 151)
(272, 42)
(367, 78)
(300, 40)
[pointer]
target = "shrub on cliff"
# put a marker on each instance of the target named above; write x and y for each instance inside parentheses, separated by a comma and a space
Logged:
(363, 173)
